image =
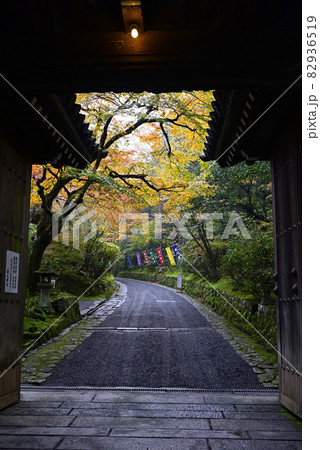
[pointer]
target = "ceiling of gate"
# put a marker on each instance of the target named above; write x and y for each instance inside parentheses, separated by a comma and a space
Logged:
(59, 46)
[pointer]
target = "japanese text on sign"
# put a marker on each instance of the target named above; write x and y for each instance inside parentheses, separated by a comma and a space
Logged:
(12, 272)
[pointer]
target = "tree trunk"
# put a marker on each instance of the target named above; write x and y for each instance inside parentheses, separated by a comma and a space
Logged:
(211, 259)
(39, 246)
(41, 242)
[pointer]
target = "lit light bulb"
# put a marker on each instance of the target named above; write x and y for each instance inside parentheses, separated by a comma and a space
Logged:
(134, 31)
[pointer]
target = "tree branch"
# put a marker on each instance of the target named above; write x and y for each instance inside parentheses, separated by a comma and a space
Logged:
(124, 178)
(175, 122)
(195, 239)
(57, 178)
(41, 192)
(129, 130)
(166, 138)
(105, 132)
(141, 121)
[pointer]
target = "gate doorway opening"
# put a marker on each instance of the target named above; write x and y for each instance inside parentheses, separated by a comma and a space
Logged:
(137, 243)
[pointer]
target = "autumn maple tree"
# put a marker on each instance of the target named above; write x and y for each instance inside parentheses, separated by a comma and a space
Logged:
(149, 145)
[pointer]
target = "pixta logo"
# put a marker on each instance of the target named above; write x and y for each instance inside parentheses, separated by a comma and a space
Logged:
(141, 222)
(72, 223)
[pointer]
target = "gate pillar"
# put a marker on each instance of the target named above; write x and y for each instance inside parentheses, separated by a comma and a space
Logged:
(287, 214)
(15, 172)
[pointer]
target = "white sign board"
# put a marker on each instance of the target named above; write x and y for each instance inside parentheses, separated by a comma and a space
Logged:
(179, 282)
(12, 272)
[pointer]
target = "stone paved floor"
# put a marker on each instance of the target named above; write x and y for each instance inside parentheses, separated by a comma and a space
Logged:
(38, 364)
(122, 420)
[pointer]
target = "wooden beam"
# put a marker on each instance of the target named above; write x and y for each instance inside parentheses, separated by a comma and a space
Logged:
(156, 61)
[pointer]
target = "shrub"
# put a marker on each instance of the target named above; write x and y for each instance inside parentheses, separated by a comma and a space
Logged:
(206, 260)
(75, 268)
(98, 255)
(76, 284)
(249, 263)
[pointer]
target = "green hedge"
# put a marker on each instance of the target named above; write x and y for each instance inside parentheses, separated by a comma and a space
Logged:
(263, 321)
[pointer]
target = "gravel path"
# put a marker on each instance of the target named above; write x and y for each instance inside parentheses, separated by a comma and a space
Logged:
(156, 338)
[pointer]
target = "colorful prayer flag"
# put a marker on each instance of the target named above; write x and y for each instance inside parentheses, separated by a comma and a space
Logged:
(129, 260)
(176, 251)
(145, 255)
(153, 257)
(170, 256)
(158, 250)
(139, 260)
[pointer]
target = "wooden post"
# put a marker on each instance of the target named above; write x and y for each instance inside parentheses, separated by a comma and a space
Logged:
(287, 212)
(15, 173)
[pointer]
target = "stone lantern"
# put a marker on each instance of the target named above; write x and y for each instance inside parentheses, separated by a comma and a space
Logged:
(45, 286)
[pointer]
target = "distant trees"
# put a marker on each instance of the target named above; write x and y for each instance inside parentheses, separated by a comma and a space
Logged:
(245, 190)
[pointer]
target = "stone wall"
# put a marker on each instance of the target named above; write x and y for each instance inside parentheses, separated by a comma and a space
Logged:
(242, 313)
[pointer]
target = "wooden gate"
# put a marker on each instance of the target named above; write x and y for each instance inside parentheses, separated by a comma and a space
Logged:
(15, 172)
(286, 173)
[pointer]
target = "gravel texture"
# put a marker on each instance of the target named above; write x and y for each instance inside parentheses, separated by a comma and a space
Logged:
(180, 349)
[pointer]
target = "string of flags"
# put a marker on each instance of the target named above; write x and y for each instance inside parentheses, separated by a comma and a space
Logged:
(173, 254)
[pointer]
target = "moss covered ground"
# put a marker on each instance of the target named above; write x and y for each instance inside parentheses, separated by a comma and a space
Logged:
(40, 326)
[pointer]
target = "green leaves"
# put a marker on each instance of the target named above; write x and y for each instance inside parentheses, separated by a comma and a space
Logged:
(250, 263)
(98, 255)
